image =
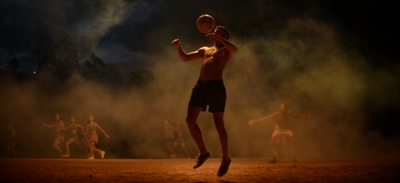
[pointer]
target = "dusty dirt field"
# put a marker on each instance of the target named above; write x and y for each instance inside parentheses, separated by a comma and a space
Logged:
(179, 170)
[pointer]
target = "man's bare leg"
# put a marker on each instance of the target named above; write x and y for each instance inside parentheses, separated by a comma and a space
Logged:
(193, 113)
(56, 146)
(223, 136)
(293, 145)
(171, 151)
(272, 144)
(191, 121)
(67, 144)
(12, 147)
(91, 150)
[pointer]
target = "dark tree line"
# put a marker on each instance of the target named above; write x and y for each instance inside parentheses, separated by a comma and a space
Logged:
(92, 69)
(13, 64)
(58, 58)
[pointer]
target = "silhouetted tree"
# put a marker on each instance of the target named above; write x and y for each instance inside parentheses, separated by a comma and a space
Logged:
(13, 64)
(59, 58)
(92, 68)
(45, 51)
(67, 59)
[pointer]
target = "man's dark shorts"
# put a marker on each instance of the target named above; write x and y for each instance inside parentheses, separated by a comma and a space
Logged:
(211, 93)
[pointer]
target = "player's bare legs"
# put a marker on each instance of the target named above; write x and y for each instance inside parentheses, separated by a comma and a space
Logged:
(56, 146)
(171, 151)
(284, 145)
(69, 142)
(183, 147)
(293, 146)
(191, 120)
(272, 144)
(94, 149)
(223, 136)
(12, 147)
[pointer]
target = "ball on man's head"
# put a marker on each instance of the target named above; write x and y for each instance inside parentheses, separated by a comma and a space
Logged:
(205, 23)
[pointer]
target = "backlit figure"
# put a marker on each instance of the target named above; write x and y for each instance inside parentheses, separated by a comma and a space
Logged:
(282, 127)
(91, 134)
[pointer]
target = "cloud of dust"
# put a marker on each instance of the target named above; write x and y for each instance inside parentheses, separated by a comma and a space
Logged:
(311, 68)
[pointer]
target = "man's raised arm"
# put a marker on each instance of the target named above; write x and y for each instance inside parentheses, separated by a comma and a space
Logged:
(195, 55)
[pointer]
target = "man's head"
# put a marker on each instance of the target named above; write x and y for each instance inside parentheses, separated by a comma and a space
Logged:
(222, 31)
(166, 122)
(282, 107)
(91, 118)
(57, 116)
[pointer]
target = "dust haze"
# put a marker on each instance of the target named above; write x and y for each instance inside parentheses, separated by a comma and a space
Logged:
(302, 61)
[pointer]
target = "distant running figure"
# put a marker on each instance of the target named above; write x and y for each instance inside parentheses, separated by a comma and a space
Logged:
(59, 129)
(73, 128)
(282, 127)
(169, 138)
(91, 133)
(179, 140)
(12, 139)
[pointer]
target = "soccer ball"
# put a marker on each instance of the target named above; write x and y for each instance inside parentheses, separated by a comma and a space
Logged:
(205, 23)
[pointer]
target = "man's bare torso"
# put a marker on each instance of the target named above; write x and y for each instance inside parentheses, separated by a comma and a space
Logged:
(214, 62)
(281, 119)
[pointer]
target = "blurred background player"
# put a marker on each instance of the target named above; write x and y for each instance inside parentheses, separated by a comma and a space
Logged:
(179, 140)
(91, 134)
(12, 139)
(169, 138)
(59, 129)
(282, 127)
(73, 128)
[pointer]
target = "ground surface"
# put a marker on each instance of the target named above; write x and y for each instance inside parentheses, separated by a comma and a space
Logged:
(179, 170)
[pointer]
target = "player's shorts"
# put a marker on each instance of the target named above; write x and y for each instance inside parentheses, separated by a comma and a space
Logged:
(180, 142)
(94, 138)
(211, 93)
(282, 131)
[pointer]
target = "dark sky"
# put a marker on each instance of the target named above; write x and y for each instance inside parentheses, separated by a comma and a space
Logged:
(317, 55)
(120, 31)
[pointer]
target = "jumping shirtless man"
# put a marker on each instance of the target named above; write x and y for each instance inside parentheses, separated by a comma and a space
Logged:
(282, 127)
(209, 90)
